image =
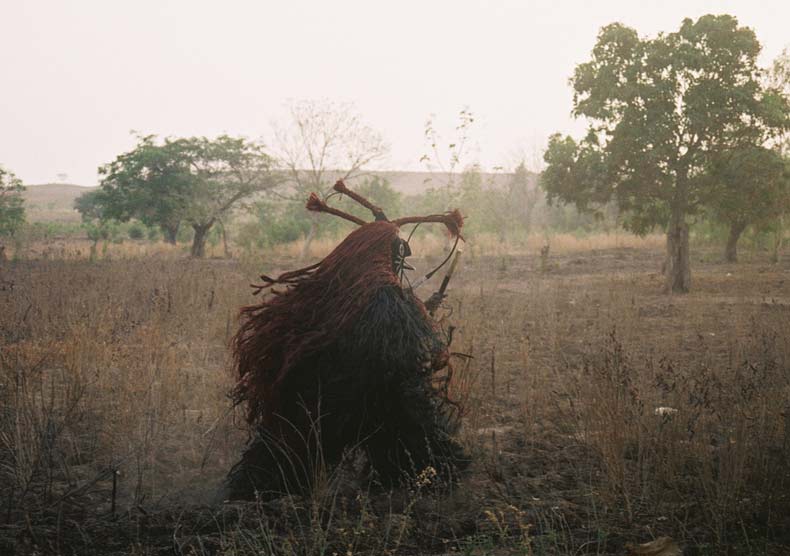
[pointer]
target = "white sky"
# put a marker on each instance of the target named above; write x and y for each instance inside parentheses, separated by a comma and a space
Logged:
(76, 76)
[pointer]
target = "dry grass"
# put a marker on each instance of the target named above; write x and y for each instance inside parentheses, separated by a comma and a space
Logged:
(120, 366)
(75, 249)
(489, 244)
(429, 245)
(105, 366)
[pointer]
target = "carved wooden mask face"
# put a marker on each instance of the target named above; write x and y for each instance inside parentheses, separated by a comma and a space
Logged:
(400, 250)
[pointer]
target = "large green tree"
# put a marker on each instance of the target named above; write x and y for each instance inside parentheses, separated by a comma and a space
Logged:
(152, 182)
(89, 205)
(659, 109)
(749, 186)
(195, 180)
(779, 79)
(12, 205)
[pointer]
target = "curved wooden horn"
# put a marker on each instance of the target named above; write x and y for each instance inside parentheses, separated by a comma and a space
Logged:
(452, 219)
(317, 205)
(341, 187)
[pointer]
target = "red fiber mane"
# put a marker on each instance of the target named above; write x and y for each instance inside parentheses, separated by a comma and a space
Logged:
(317, 305)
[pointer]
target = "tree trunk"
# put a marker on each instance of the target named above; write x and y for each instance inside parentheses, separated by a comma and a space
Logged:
(225, 247)
(677, 267)
(731, 250)
(310, 236)
(170, 232)
(527, 211)
(778, 236)
(199, 241)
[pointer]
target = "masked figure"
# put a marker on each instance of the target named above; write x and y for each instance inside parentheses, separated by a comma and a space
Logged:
(341, 357)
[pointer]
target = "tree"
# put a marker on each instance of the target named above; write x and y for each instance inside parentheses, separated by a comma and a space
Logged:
(12, 204)
(450, 161)
(750, 185)
(522, 197)
(322, 142)
(659, 110)
(91, 205)
(193, 180)
(150, 182)
(223, 172)
(779, 79)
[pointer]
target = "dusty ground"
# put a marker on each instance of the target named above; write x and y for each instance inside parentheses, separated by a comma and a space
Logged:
(571, 358)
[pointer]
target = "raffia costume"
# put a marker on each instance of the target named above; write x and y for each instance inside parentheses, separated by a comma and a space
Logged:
(344, 358)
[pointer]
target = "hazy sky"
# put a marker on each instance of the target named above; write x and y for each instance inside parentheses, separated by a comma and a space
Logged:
(76, 76)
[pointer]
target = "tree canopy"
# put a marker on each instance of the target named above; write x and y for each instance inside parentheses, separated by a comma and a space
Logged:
(749, 185)
(193, 180)
(12, 205)
(151, 182)
(658, 111)
(91, 205)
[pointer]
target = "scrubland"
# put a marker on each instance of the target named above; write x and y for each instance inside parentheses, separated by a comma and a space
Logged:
(599, 411)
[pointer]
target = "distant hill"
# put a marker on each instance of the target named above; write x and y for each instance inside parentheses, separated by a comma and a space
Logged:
(52, 202)
(413, 183)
